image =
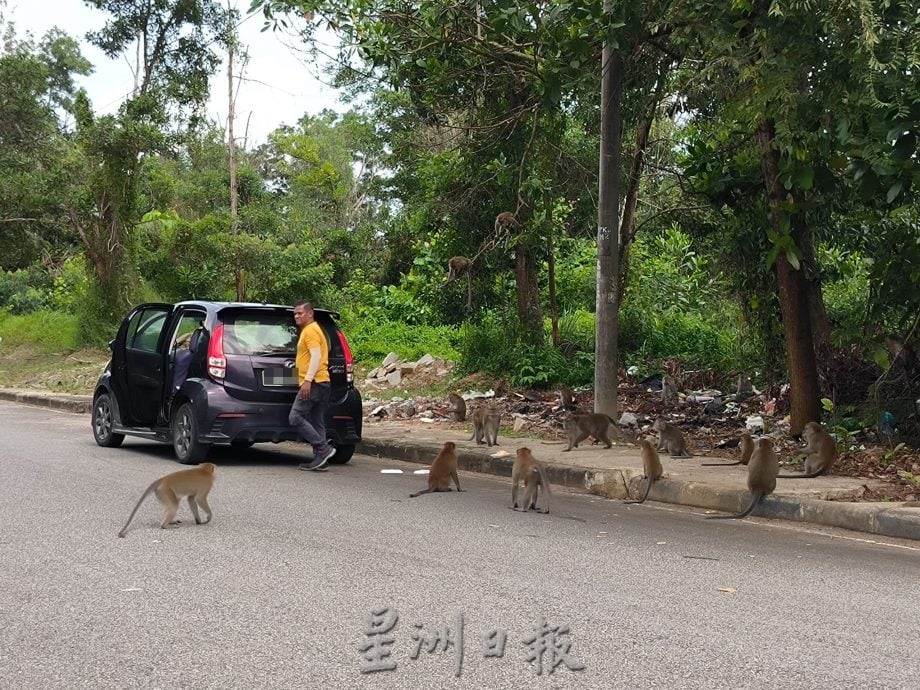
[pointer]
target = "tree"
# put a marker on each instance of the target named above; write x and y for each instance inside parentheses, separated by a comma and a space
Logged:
(174, 63)
(37, 86)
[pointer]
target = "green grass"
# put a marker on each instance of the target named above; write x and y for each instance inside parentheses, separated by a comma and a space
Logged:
(44, 330)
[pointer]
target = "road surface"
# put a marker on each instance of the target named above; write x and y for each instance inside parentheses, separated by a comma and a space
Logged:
(278, 590)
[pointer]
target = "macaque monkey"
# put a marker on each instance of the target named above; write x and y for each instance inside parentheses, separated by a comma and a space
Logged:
(194, 483)
(747, 447)
(668, 390)
(504, 221)
(745, 387)
(566, 398)
(456, 267)
(457, 407)
(443, 469)
(579, 426)
(486, 420)
(671, 439)
(820, 452)
(651, 464)
(528, 469)
(762, 471)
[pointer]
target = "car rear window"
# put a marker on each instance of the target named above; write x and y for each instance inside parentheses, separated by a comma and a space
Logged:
(260, 333)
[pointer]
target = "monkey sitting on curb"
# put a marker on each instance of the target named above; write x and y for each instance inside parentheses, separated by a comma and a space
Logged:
(651, 465)
(762, 470)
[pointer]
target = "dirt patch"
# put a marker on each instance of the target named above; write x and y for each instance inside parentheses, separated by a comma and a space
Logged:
(62, 372)
(710, 433)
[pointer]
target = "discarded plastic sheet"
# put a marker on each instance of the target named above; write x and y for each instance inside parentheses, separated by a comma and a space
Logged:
(500, 454)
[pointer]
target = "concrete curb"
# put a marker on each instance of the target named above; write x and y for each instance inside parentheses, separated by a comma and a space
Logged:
(888, 520)
(78, 404)
(874, 518)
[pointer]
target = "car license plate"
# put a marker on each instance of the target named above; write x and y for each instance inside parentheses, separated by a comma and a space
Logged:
(279, 376)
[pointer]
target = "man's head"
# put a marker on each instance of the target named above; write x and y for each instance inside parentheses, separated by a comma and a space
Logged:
(303, 313)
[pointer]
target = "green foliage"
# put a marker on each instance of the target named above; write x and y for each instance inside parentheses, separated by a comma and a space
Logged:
(494, 346)
(650, 337)
(48, 330)
(35, 289)
(576, 332)
(372, 340)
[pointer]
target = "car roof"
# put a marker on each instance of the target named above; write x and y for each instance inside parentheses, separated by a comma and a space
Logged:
(219, 306)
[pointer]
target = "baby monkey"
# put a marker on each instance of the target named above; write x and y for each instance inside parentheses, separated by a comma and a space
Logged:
(195, 483)
(747, 447)
(578, 427)
(527, 468)
(651, 465)
(443, 469)
(486, 420)
(671, 439)
(762, 470)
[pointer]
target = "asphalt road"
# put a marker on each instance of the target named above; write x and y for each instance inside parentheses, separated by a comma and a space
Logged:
(275, 592)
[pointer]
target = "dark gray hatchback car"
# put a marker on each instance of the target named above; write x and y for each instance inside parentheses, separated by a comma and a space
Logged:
(199, 373)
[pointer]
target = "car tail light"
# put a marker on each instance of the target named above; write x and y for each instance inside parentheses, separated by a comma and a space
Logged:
(217, 363)
(349, 361)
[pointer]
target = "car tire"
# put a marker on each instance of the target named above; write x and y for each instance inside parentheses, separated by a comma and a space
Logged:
(342, 454)
(104, 422)
(189, 450)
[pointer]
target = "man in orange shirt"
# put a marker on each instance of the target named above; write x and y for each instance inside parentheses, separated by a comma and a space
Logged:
(308, 413)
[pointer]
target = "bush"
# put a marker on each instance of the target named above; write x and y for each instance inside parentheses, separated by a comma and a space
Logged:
(50, 331)
(372, 340)
(494, 347)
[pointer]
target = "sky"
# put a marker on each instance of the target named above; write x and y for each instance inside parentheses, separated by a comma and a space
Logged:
(280, 85)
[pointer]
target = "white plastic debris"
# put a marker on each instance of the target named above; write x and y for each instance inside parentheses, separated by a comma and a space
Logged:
(754, 423)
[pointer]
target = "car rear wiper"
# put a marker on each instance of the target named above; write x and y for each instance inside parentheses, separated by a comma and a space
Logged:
(275, 351)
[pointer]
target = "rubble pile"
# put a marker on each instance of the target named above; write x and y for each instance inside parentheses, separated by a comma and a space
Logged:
(395, 373)
(710, 419)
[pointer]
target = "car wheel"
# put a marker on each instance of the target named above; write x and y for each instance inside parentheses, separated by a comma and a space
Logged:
(342, 454)
(189, 450)
(104, 422)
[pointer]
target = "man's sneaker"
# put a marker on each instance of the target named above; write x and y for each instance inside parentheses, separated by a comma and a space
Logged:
(320, 461)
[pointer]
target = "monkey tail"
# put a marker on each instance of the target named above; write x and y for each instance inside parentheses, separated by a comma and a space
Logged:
(140, 500)
(419, 493)
(648, 488)
(801, 476)
(720, 464)
(543, 478)
(737, 516)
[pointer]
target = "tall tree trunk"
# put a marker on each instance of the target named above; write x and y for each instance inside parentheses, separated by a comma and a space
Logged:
(231, 142)
(551, 270)
(820, 325)
(528, 295)
(631, 198)
(800, 355)
(606, 352)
